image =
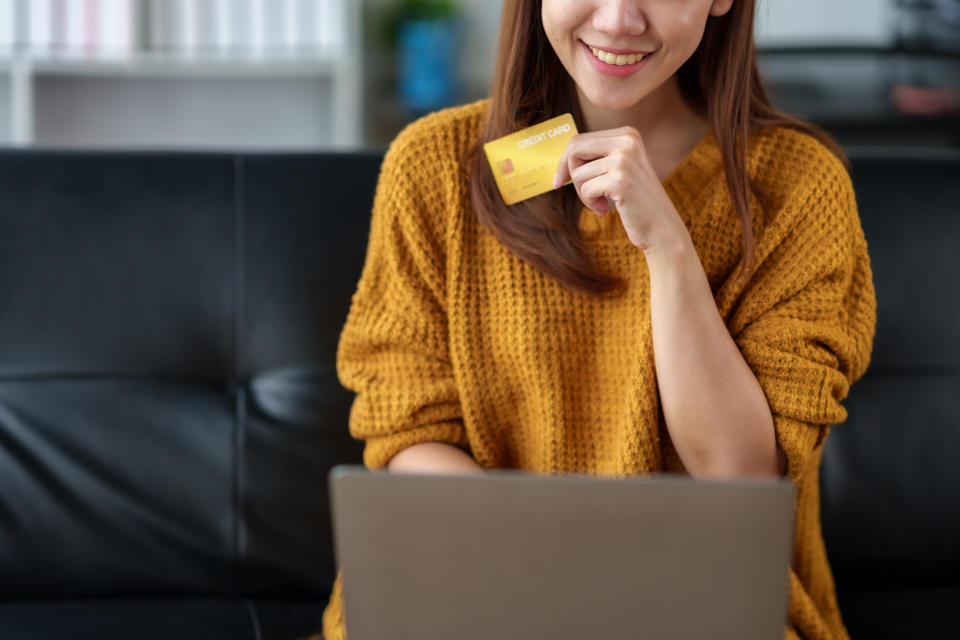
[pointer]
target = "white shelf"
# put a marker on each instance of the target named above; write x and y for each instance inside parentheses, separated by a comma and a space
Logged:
(302, 98)
(175, 63)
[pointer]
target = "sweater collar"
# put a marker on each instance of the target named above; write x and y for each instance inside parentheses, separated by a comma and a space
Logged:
(694, 178)
(697, 168)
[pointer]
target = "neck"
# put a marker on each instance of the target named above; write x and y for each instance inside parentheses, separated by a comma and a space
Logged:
(662, 115)
(669, 127)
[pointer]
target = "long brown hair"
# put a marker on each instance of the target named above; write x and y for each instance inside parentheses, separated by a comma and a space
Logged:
(720, 81)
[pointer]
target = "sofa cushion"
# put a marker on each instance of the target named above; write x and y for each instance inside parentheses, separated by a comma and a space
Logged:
(160, 619)
(169, 406)
(891, 504)
(889, 491)
(895, 614)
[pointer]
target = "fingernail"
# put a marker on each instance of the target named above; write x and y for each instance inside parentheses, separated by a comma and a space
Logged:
(556, 178)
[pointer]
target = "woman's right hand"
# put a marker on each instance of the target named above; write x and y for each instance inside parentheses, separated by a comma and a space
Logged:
(433, 457)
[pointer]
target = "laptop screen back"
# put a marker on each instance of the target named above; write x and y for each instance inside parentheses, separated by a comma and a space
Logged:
(511, 554)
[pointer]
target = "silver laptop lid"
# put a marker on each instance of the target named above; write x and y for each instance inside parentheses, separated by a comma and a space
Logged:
(511, 554)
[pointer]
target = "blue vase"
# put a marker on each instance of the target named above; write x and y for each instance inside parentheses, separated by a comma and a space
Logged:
(427, 63)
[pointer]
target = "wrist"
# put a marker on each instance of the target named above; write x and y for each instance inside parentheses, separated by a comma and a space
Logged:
(669, 245)
(674, 265)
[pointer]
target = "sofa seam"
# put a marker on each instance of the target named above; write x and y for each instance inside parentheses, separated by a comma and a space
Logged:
(254, 618)
(239, 538)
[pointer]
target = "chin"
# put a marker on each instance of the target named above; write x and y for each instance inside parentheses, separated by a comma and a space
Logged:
(614, 103)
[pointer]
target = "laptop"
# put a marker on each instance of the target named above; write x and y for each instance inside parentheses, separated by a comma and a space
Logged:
(517, 555)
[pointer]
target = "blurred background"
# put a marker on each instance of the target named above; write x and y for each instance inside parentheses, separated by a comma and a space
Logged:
(349, 74)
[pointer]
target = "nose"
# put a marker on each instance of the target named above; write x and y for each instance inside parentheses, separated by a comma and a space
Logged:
(619, 17)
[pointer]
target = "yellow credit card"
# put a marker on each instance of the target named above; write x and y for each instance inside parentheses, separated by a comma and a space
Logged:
(524, 163)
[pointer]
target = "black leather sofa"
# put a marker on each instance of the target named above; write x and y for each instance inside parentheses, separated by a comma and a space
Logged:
(169, 406)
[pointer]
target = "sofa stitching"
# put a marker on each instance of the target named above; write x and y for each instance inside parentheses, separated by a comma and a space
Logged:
(239, 538)
(254, 619)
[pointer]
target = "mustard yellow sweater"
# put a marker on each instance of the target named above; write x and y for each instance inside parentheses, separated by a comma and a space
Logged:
(452, 338)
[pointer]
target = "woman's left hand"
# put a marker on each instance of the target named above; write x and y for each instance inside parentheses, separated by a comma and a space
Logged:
(611, 168)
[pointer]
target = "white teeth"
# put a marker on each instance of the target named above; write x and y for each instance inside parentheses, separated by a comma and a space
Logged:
(613, 58)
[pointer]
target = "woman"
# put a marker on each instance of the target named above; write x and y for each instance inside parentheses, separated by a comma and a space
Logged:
(697, 300)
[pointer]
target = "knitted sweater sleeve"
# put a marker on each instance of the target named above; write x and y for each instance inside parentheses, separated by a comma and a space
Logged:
(393, 350)
(806, 321)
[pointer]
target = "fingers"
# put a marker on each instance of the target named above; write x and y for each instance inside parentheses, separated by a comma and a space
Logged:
(577, 153)
(585, 147)
(570, 161)
(585, 180)
(592, 184)
(589, 170)
(587, 159)
(593, 193)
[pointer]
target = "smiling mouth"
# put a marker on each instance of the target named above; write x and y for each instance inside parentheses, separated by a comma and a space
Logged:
(617, 59)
